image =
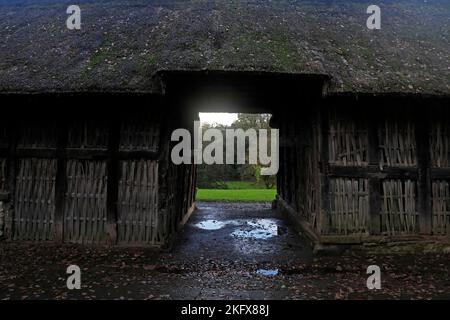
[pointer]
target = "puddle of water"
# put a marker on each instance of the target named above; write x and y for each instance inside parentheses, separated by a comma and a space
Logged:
(254, 229)
(261, 229)
(216, 224)
(253, 234)
(268, 272)
(210, 225)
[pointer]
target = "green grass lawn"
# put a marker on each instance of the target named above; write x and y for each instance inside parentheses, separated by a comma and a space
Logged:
(238, 185)
(236, 195)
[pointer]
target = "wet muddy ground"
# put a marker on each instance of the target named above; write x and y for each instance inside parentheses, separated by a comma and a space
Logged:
(226, 251)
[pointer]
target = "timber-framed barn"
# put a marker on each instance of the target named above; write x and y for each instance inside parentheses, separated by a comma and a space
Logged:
(364, 127)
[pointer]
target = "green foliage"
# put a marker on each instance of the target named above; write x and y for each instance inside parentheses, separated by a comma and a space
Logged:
(269, 181)
(215, 176)
(249, 120)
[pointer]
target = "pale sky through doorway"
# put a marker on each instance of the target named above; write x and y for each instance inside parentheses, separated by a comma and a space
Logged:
(218, 117)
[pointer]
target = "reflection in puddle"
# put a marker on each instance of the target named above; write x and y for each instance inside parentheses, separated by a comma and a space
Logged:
(268, 272)
(210, 225)
(254, 229)
(259, 229)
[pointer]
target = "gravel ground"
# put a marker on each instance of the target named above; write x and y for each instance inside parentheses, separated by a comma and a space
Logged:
(226, 251)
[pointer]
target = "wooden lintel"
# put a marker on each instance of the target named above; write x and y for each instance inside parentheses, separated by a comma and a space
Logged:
(373, 171)
(35, 153)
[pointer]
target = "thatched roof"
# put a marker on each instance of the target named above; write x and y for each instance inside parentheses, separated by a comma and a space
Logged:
(122, 43)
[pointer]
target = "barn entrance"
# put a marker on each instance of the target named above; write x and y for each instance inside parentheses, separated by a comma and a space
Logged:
(234, 200)
(250, 225)
(234, 218)
(255, 98)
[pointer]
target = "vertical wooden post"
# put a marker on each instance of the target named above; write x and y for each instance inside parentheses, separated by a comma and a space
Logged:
(163, 168)
(113, 180)
(61, 181)
(12, 167)
(284, 157)
(423, 163)
(275, 123)
(374, 180)
(283, 139)
(287, 162)
(316, 156)
(324, 168)
(295, 167)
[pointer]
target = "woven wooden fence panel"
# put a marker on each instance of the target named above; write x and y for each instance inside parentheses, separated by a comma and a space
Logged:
(34, 201)
(85, 201)
(441, 207)
(398, 213)
(297, 180)
(440, 145)
(188, 186)
(349, 206)
(348, 142)
(3, 175)
(170, 217)
(398, 144)
(88, 135)
(312, 191)
(34, 136)
(138, 202)
(307, 191)
(139, 135)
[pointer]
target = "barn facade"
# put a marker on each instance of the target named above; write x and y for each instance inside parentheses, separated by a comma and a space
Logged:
(353, 168)
(98, 176)
(87, 114)
(368, 169)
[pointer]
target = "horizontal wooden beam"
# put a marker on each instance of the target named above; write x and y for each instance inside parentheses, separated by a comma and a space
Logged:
(35, 153)
(373, 171)
(440, 173)
(132, 155)
(381, 239)
(4, 196)
(87, 154)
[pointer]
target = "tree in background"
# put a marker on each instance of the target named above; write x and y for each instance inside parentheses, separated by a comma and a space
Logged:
(249, 120)
(216, 176)
(251, 172)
